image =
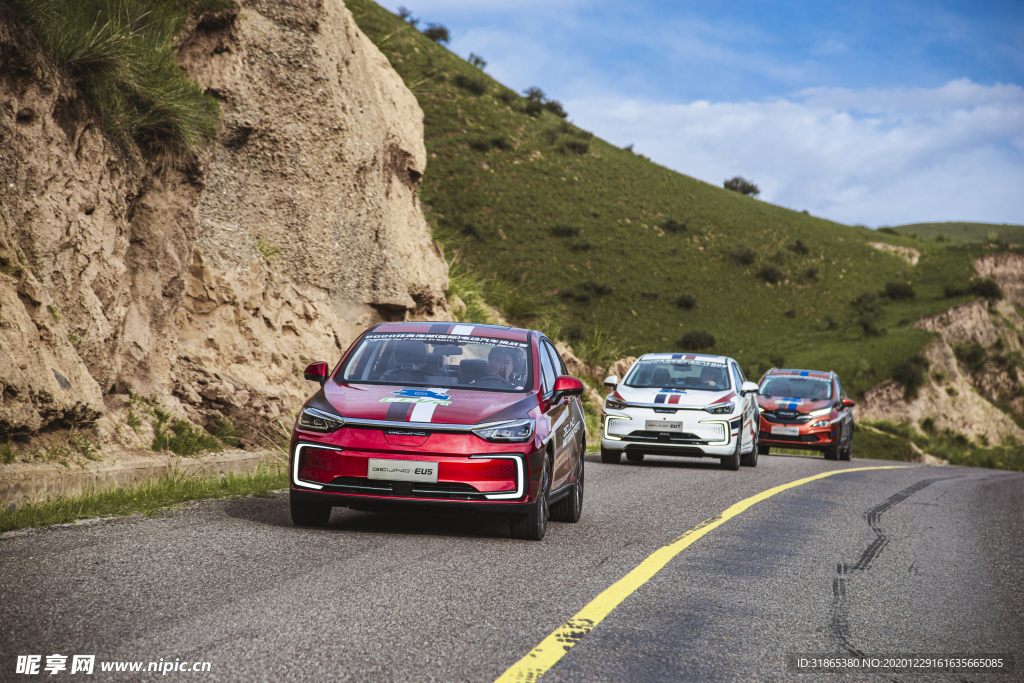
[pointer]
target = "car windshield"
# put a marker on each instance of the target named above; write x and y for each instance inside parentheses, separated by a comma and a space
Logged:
(440, 360)
(678, 374)
(795, 386)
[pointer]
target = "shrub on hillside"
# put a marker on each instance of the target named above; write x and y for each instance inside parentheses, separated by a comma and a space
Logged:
(571, 294)
(899, 291)
(790, 314)
(597, 288)
(437, 33)
(533, 108)
(476, 60)
(985, 288)
(743, 254)
(577, 146)
(405, 14)
(811, 274)
(480, 144)
(566, 231)
(672, 225)
(471, 85)
(888, 231)
(799, 247)
(535, 94)
(650, 295)
(697, 340)
(770, 274)
(971, 356)
(501, 142)
(686, 302)
(911, 373)
(555, 107)
(580, 245)
(507, 96)
(741, 185)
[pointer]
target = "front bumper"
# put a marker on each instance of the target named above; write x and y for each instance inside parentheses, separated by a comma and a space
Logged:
(702, 435)
(334, 468)
(806, 437)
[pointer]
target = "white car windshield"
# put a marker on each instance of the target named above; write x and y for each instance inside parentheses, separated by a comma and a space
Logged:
(669, 373)
(440, 360)
(795, 386)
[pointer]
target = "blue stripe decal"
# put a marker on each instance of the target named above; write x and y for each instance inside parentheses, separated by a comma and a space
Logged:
(804, 373)
(735, 424)
(661, 398)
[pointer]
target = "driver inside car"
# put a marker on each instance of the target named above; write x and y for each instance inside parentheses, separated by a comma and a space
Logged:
(711, 377)
(499, 363)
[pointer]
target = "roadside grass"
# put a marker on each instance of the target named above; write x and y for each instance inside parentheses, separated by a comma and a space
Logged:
(957, 448)
(121, 53)
(162, 494)
(603, 240)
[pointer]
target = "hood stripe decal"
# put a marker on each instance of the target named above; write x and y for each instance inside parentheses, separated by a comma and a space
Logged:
(398, 412)
(424, 412)
(465, 330)
(674, 398)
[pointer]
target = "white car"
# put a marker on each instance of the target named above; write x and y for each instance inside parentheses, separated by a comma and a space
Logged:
(681, 404)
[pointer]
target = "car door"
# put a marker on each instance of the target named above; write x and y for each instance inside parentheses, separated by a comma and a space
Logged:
(744, 403)
(845, 416)
(562, 418)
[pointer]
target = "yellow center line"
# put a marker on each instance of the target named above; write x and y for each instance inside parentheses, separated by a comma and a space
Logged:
(553, 648)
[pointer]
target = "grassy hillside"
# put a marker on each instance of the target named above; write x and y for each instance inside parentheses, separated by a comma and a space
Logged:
(982, 233)
(585, 239)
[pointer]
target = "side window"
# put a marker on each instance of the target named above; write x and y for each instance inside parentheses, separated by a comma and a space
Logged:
(547, 369)
(842, 391)
(556, 360)
(737, 376)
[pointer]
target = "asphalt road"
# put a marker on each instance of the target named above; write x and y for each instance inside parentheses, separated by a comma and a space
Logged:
(916, 560)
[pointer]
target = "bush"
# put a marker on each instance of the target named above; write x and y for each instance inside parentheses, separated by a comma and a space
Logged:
(182, 438)
(790, 314)
(507, 96)
(437, 33)
(650, 295)
(770, 274)
(535, 94)
(988, 289)
(501, 142)
(799, 247)
(888, 231)
(476, 60)
(697, 340)
(811, 274)
(597, 288)
(570, 294)
(928, 425)
(743, 254)
(672, 225)
(577, 146)
(899, 291)
(686, 302)
(972, 356)
(533, 108)
(565, 231)
(580, 245)
(741, 185)
(911, 373)
(470, 84)
(480, 144)
(555, 107)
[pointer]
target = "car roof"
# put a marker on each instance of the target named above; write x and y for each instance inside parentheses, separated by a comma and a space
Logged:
(463, 329)
(800, 373)
(685, 356)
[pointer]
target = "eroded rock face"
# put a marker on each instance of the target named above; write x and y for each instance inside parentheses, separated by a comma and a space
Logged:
(207, 286)
(319, 157)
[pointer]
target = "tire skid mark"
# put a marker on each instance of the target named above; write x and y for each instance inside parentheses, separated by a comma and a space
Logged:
(839, 624)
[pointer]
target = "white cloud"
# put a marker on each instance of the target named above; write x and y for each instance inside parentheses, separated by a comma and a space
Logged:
(875, 157)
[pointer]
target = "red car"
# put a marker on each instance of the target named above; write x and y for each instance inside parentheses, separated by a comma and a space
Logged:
(483, 417)
(805, 409)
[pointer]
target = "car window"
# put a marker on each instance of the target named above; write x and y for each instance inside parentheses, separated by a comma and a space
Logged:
(797, 386)
(440, 360)
(547, 369)
(556, 360)
(665, 373)
(842, 391)
(737, 376)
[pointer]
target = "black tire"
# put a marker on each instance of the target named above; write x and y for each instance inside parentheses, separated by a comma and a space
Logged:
(750, 459)
(305, 513)
(633, 456)
(610, 457)
(847, 454)
(570, 508)
(533, 525)
(832, 452)
(732, 462)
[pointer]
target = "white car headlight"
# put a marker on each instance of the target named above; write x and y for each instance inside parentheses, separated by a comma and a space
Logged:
(313, 420)
(819, 413)
(821, 423)
(614, 404)
(720, 408)
(516, 430)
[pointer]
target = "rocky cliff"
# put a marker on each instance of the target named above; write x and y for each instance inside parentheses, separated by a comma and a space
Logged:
(207, 285)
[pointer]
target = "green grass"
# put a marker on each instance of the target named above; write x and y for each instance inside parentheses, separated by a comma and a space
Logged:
(602, 240)
(956, 448)
(181, 437)
(121, 53)
(984, 233)
(170, 489)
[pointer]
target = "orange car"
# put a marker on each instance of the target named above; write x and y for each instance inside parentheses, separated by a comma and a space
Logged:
(805, 409)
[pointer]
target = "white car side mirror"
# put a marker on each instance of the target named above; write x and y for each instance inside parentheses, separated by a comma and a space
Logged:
(611, 381)
(748, 388)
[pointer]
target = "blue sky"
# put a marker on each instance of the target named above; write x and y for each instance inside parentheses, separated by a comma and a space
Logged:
(876, 113)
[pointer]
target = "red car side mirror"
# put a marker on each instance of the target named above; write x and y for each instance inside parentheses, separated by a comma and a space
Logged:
(848, 402)
(316, 372)
(567, 386)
